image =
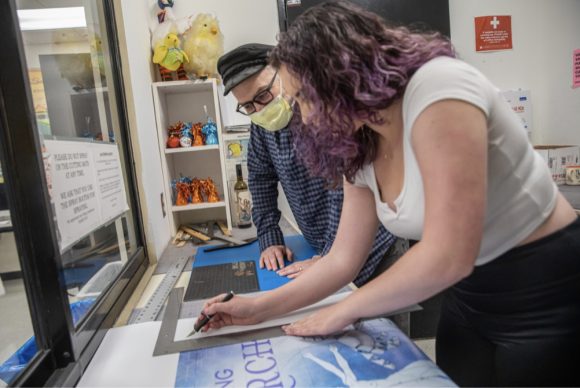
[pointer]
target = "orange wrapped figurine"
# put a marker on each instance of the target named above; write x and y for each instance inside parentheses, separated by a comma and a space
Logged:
(210, 190)
(198, 139)
(174, 133)
(182, 193)
(195, 188)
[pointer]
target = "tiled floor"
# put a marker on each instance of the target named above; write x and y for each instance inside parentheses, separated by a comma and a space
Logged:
(15, 322)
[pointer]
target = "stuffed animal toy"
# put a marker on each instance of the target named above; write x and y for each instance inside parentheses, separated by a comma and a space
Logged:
(77, 70)
(163, 22)
(165, 6)
(80, 69)
(170, 58)
(204, 44)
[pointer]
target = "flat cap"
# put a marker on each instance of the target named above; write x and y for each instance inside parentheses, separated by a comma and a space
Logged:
(241, 63)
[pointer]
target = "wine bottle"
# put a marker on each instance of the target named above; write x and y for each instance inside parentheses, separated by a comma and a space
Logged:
(243, 201)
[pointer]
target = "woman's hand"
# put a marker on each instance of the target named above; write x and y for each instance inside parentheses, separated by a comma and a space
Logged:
(237, 311)
(327, 321)
(298, 268)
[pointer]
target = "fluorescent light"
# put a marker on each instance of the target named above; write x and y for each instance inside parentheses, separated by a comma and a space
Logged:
(51, 18)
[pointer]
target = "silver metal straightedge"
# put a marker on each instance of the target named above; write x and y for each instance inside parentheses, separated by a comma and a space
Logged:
(166, 344)
(155, 303)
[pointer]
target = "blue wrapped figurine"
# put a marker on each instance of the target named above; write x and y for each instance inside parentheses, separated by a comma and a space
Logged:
(186, 136)
(209, 130)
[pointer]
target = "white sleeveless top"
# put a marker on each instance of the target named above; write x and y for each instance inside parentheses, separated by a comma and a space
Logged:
(520, 193)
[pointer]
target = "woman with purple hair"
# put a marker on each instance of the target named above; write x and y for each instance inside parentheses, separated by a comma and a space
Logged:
(427, 146)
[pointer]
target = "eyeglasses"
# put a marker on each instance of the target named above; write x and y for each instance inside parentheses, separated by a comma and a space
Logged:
(264, 97)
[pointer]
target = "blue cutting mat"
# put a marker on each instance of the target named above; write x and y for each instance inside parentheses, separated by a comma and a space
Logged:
(267, 280)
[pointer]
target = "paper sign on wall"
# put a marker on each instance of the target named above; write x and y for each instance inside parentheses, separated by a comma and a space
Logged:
(521, 103)
(493, 33)
(576, 69)
(87, 187)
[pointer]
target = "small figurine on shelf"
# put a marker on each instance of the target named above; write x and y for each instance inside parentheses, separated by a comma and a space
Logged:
(170, 58)
(186, 139)
(175, 129)
(210, 190)
(172, 141)
(174, 134)
(182, 194)
(198, 139)
(209, 130)
(195, 188)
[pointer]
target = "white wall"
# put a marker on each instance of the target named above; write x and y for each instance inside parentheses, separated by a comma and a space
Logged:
(545, 33)
(241, 21)
(138, 75)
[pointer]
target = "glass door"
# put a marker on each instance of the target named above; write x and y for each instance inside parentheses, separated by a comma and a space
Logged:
(75, 109)
(76, 222)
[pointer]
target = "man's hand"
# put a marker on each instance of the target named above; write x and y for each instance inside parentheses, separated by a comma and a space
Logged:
(273, 257)
(298, 268)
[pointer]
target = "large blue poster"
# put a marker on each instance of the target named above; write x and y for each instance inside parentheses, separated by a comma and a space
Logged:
(371, 353)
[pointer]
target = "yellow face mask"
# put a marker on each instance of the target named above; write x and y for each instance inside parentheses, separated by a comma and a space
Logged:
(274, 116)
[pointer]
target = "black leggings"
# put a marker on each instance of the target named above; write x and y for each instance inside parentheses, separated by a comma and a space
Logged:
(516, 320)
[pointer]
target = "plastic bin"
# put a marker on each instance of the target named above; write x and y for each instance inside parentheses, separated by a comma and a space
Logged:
(18, 361)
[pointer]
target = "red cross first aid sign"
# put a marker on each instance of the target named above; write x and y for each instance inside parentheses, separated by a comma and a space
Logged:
(493, 33)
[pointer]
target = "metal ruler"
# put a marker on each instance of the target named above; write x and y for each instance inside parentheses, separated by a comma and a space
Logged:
(167, 345)
(155, 303)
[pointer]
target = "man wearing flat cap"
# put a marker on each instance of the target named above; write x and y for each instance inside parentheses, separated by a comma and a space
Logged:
(256, 86)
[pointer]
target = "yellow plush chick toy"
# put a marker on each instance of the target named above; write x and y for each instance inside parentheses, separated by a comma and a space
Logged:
(204, 44)
(77, 70)
(170, 58)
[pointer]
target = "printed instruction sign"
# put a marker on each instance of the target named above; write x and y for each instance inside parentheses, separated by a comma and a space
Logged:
(521, 103)
(493, 33)
(88, 189)
(576, 69)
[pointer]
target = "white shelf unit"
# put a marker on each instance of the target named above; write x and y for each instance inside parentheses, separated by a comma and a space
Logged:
(183, 101)
(198, 206)
(191, 149)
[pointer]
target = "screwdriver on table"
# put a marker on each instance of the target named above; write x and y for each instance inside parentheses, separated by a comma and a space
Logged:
(206, 318)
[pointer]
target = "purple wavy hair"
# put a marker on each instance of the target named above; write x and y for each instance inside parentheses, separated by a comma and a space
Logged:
(351, 65)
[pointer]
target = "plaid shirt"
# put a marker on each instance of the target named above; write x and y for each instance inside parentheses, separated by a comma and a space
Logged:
(316, 209)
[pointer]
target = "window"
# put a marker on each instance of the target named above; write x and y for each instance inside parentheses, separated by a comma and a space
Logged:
(74, 210)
